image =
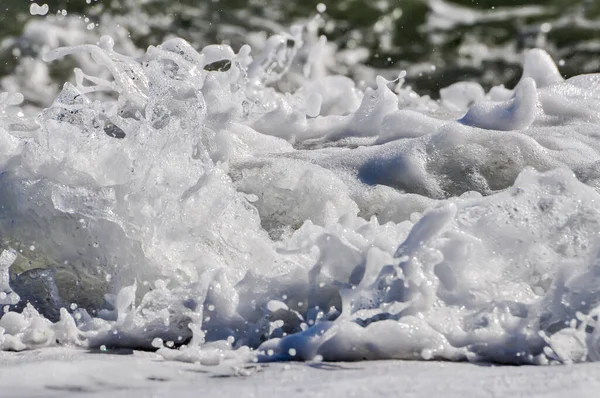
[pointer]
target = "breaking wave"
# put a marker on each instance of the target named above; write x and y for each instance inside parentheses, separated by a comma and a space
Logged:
(252, 205)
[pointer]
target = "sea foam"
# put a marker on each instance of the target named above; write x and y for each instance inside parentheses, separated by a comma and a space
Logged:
(220, 205)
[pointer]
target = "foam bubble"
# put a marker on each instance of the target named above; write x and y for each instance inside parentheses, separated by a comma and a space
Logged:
(35, 9)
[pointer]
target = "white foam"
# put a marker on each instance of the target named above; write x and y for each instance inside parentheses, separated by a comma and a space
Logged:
(515, 114)
(250, 206)
(7, 296)
(36, 9)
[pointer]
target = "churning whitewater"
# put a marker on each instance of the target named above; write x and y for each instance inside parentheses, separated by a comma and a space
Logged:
(222, 206)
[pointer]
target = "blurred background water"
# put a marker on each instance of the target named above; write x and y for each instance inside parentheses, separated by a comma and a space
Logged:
(438, 42)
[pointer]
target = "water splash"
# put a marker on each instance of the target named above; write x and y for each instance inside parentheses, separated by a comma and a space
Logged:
(236, 206)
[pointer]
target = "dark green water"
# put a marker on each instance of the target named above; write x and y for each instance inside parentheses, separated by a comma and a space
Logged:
(483, 43)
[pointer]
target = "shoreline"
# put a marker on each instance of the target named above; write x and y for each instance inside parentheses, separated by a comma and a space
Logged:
(63, 372)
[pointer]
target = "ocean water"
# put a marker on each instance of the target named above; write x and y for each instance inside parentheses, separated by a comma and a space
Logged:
(438, 42)
(282, 195)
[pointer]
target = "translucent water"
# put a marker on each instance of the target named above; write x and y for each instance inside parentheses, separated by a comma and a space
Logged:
(220, 205)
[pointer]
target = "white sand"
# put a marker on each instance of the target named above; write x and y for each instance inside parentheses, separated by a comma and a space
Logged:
(61, 372)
